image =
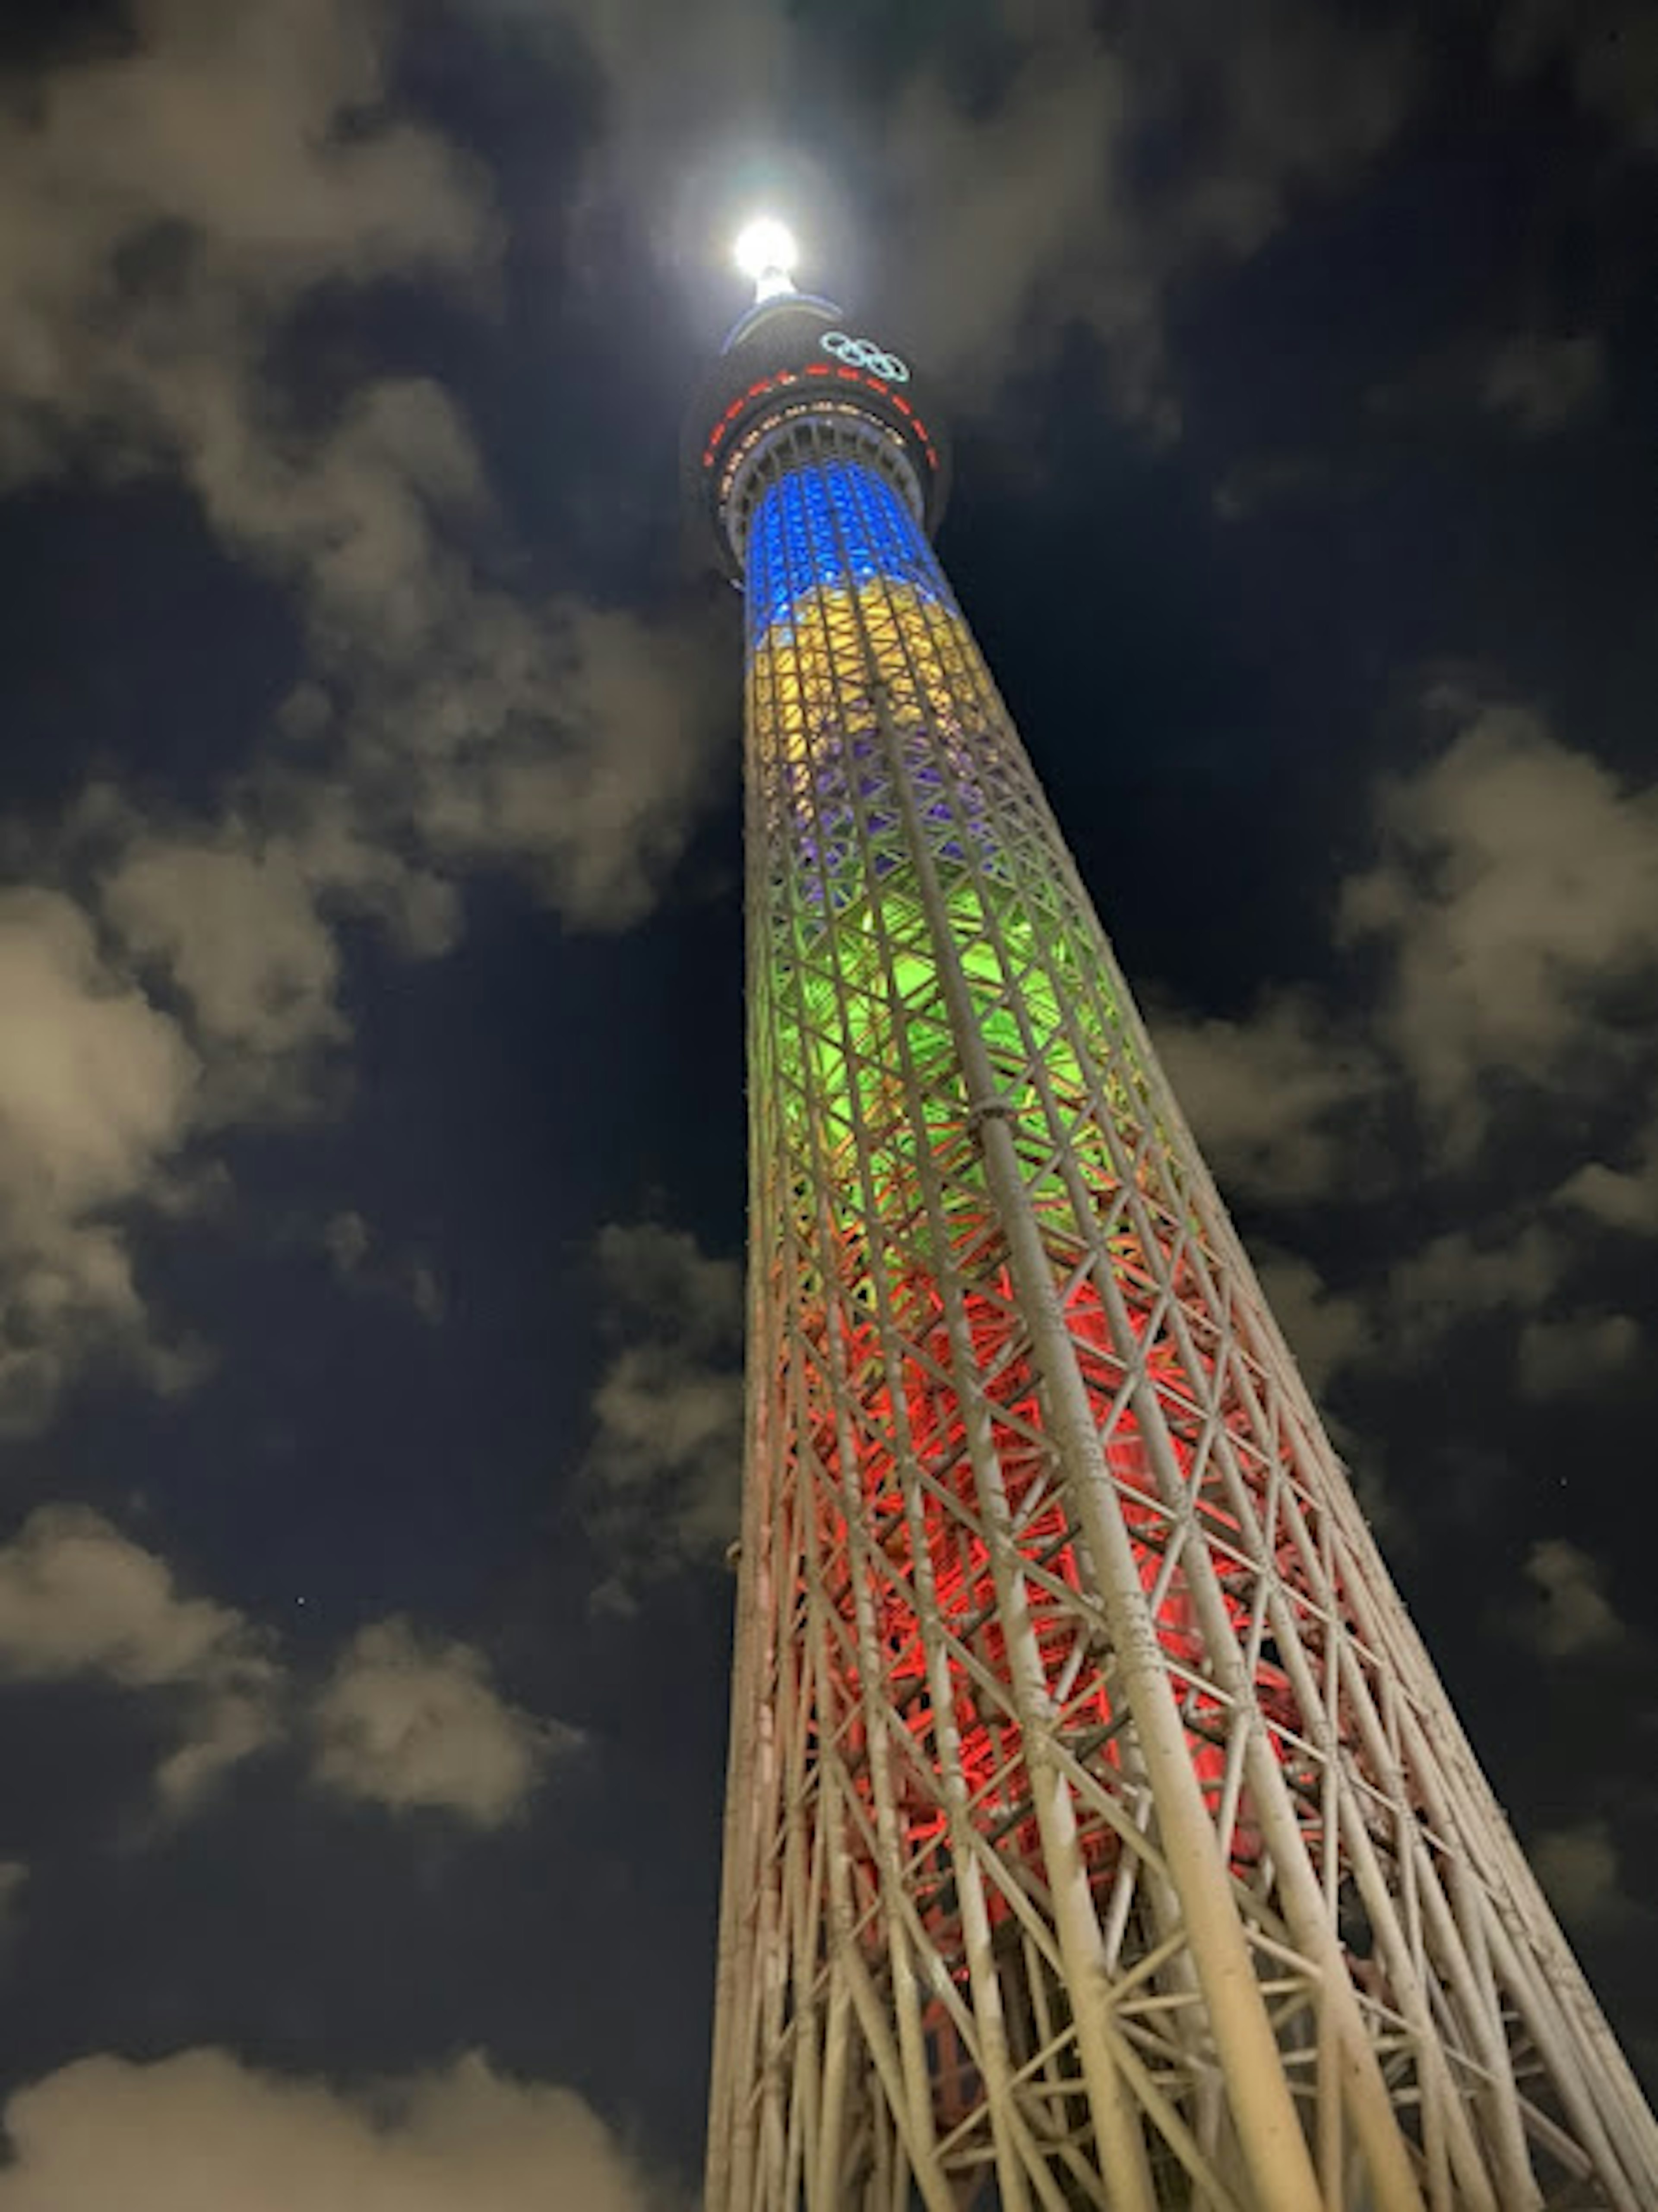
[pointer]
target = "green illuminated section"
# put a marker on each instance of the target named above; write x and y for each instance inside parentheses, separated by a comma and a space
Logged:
(854, 1044)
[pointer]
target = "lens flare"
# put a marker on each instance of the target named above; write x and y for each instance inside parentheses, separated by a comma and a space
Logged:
(766, 247)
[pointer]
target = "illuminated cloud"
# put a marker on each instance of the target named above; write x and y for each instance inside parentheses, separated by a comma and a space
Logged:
(1279, 1103)
(1515, 896)
(1624, 1199)
(439, 726)
(1582, 1869)
(1027, 215)
(79, 1600)
(403, 1721)
(663, 1475)
(411, 1722)
(203, 2132)
(1517, 888)
(237, 932)
(1574, 1615)
(1327, 1330)
(98, 1091)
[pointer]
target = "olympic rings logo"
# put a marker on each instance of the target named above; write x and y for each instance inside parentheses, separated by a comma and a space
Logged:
(860, 353)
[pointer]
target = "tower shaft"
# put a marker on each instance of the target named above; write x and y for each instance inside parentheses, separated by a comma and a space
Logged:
(1098, 1833)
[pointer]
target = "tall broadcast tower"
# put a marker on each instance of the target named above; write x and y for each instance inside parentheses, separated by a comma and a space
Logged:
(1098, 1833)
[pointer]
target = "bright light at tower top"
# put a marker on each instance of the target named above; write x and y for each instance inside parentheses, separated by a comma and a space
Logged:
(765, 252)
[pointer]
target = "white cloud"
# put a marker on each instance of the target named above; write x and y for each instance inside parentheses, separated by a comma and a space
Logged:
(1007, 165)
(79, 1600)
(358, 1258)
(1327, 1330)
(1539, 383)
(78, 1597)
(1620, 1198)
(1579, 1866)
(1560, 1356)
(216, 145)
(97, 1091)
(1404, 1317)
(238, 933)
(1276, 1101)
(571, 745)
(409, 1722)
(1574, 1615)
(402, 1720)
(1514, 904)
(663, 1477)
(1518, 887)
(569, 741)
(201, 2132)
(1025, 214)
(1459, 1276)
(441, 724)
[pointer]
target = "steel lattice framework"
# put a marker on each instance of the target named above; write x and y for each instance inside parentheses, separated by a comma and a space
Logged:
(1097, 1831)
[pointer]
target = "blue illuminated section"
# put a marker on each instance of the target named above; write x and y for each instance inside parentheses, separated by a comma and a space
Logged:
(834, 523)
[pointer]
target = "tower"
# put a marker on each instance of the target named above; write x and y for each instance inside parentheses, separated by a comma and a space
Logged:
(1097, 1831)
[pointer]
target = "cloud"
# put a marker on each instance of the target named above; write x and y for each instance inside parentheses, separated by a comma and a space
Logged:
(1530, 382)
(1005, 152)
(1460, 1276)
(441, 724)
(14, 1879)
(1510, 925)
(1560, 1356)
(1510, 919)
(1278, 1101)
(1516, 891)
(203, 2132)
(571, 744)
(358, 1260)
(1268, 480)
(410, 1721)
(237, 932)
(79, 1600)
(1579, 1866)
(452, 724)
(1035, 210)
(1327, 1330)
(1574, 1615)
(1541, 383)
(98, 1092)
(1610, 51)
(1618, 1198)
(166, 201)
(1401, 1318)
(663, 1476)
(347, 1239)
(78, 1597)
(402, 1720)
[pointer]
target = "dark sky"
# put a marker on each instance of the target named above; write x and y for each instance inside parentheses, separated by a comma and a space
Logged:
(371, 1088)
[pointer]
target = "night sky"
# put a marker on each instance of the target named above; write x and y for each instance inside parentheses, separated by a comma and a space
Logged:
(371, 1082)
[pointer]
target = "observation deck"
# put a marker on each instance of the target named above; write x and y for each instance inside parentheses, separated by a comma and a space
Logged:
(792, 384)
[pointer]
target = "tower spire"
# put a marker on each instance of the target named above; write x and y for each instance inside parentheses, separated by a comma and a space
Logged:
(1097, 1831)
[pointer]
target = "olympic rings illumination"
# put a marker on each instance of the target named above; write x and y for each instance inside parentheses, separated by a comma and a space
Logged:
(862, 353)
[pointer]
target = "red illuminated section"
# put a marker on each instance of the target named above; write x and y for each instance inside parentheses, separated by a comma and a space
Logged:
(822, 370)
(916, 1481)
